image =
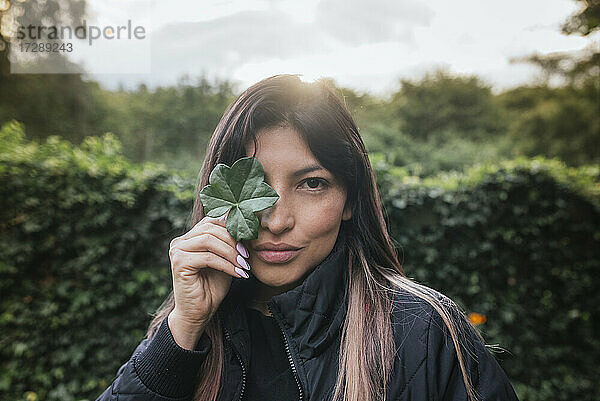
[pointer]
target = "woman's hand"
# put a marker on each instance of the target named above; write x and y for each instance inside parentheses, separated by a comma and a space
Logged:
(203, 262)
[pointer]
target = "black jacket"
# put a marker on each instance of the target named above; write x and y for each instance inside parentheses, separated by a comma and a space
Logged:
(311, 317)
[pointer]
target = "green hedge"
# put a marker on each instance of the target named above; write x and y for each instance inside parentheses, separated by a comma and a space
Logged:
(518, 242)
(84, 261)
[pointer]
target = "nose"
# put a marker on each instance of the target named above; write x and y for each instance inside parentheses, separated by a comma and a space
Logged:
(278, 218)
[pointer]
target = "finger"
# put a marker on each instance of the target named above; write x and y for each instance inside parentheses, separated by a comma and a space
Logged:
(213, 243)
(199, 227)
(190, 263)
(221, 220)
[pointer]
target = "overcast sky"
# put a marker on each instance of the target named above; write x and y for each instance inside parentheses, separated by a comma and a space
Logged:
(366, 45)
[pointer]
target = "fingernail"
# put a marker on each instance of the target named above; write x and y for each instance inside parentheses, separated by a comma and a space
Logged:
(243, 262)
(223, 218)
(241, 272)
(241, 249)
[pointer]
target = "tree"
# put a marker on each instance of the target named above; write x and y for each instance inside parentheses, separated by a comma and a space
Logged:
(562, 121)
(48, 104)
(574, 67)
(14, 15)
(556, 122)
(585, 21)
(168, 124)
(441, 103)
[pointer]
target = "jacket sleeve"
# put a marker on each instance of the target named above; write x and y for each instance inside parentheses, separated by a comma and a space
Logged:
(159, 369)
(446, 380)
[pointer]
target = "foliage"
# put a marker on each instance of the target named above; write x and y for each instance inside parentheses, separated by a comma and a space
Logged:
(84, 261)
(446, 151)
(442, 148)
(441, 122)
(442, 102)
(519, 243)
(586, 21)
(574, 66)
(171, 125)
(23, 13)
(239, 191)
(61, 104)
(560, 122)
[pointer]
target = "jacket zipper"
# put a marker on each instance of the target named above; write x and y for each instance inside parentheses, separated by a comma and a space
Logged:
(287, 351)
(228, 337)
(289, 355)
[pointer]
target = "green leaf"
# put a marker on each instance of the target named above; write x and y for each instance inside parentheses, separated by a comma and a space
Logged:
(241, 190)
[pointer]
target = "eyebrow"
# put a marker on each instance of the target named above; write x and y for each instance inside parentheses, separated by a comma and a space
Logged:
(307, 169)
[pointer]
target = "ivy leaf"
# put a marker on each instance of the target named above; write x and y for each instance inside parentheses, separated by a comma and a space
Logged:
(241, 190)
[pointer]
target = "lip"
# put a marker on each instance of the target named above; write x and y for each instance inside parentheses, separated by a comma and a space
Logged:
(271, 246)
(271, 256)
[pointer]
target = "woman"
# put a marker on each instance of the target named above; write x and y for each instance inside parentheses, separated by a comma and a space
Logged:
(319, 308)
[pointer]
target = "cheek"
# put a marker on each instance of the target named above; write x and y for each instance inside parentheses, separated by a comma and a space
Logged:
(322, 215)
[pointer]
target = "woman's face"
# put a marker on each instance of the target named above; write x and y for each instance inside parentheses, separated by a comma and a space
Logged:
(307, 215)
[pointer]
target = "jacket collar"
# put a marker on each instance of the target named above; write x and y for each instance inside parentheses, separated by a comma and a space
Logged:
(312, 313)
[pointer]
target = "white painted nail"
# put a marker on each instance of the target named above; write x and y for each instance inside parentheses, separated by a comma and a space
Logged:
(243, 262)
(241, 249)
(241, 272)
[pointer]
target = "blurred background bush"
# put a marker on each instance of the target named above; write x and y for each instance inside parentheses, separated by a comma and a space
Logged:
(85, 235)
(493, 198)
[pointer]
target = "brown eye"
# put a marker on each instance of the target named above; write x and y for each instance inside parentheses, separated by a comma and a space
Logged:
(314, 182)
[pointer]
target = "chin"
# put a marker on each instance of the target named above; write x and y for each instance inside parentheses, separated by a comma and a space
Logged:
(276, 277)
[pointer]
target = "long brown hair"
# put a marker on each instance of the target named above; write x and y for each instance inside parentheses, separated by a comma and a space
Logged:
(313, 110)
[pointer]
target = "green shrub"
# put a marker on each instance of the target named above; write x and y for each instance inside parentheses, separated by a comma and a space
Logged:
(84, 261)
(518, 242)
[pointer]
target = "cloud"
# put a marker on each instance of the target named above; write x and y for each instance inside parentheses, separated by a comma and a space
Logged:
(359, 22)
(359, 43)
(224, 44)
